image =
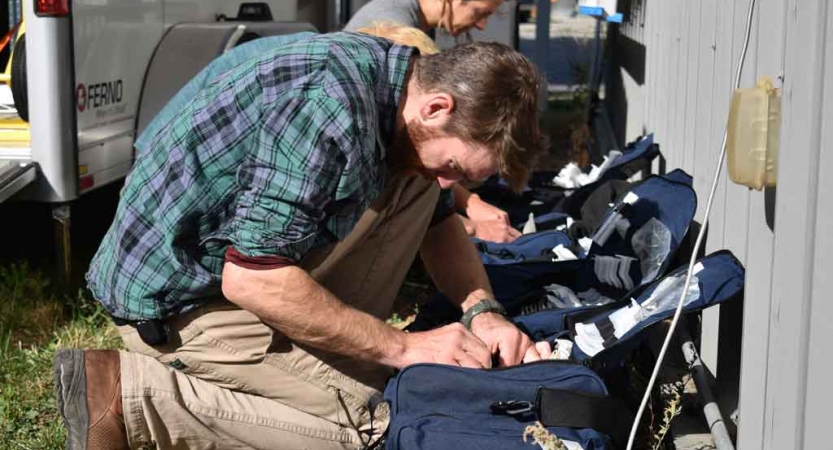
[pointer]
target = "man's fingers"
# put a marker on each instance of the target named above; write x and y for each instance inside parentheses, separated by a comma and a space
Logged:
(505, 360)
(508, 234)
(477, 350)
(470, 351)
(544, 349)
(502, 216)
(541, 350)
(511, 353)
(465, 359)
(531, 356)
(495, 231)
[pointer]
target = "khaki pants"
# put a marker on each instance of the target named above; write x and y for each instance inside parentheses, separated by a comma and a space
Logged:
(225, 380)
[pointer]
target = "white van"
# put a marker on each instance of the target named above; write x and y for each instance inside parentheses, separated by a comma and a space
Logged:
(86, 76)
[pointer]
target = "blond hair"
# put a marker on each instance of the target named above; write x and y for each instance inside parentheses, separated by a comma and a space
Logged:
(402, 35)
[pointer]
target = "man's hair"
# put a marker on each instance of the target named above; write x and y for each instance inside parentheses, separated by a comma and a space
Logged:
(402, 35)
(495, 91)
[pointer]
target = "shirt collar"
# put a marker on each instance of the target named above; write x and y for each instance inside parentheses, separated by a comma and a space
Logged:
(398, 62)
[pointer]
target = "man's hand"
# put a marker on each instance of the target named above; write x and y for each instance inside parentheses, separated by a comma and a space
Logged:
(452, 344)
(504, 339)
(479, 210)
(452, 261)
(467, 224)
(490, 223)
(490, 230)
(495, 231)
(544, 349)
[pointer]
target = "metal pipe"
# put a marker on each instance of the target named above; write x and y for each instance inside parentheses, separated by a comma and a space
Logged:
(714, 418)
(61, 214)
(542, 47)
(542, 33)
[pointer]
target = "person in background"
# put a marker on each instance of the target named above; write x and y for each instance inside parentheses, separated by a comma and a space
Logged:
(481, 219)
(455, 16)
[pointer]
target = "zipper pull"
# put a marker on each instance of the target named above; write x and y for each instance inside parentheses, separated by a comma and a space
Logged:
(511, 407)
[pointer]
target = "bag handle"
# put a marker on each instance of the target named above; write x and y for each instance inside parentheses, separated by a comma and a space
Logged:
(575, 409)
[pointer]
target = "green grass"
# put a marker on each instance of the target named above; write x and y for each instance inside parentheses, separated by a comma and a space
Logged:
(35, 320)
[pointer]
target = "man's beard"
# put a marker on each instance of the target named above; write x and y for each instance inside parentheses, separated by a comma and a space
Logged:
(403, 157)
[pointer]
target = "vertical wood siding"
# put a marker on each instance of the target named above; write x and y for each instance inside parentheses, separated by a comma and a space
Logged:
(680, 90)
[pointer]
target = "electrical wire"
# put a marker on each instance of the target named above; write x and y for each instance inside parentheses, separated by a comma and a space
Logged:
(697, 244)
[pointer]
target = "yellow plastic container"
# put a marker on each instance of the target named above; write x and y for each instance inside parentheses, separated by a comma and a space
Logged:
(754, 134)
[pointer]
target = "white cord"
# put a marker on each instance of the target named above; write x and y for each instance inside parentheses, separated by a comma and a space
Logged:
(696, 249)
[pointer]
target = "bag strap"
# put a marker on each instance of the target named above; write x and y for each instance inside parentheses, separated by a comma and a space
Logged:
(574, 409)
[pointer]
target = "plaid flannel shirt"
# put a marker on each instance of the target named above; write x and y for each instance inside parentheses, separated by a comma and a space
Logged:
(274, 157)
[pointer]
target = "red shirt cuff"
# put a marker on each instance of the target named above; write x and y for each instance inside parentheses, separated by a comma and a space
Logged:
(257, 262)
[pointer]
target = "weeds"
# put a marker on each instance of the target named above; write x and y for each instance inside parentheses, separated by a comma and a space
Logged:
(35, 320)
(673, 408)
(653, 432)
(543, 437)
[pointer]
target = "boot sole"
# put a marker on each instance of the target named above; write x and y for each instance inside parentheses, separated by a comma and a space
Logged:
(71, 395)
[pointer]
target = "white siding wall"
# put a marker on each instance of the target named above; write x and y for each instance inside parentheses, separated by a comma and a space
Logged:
(691, 50)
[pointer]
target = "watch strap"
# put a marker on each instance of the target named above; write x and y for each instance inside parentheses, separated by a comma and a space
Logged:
(485, 305)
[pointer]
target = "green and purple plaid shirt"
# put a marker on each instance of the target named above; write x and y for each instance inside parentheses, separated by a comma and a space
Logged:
(281, 154)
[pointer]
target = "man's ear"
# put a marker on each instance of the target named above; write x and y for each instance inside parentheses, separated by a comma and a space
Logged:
(436, 109)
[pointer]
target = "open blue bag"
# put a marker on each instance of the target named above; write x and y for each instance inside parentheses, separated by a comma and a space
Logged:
(635, 157)
(542, 196)
(445, 407)
(441, 407)
(666, 204)
(645, 230)
(534, 246)
(716, 278)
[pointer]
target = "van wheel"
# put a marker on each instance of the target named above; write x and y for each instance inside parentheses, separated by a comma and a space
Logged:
(19, 83)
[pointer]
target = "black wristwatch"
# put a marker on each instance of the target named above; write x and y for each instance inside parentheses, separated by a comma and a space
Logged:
(484, 305)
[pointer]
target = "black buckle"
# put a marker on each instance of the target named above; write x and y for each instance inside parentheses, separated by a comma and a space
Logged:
(153, 332)
(512, 407)
(624, 209)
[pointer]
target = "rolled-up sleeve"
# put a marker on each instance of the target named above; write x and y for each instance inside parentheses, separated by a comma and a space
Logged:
(294, 172)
